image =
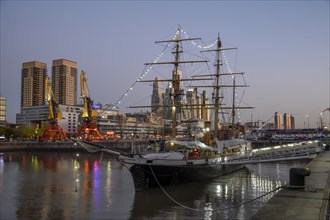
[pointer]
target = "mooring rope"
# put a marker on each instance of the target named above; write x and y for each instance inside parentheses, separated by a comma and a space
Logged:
(202, 210)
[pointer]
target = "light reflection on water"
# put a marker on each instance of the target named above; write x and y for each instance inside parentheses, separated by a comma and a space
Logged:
(64, 186)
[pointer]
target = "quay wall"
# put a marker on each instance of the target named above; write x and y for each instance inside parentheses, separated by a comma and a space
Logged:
(311, 202)
(123, 145)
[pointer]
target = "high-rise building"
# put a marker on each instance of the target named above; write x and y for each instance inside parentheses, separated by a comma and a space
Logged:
(205, 112)
(278, 121)
(178, 77)
(192, 98)
(64, 81)
(156, 98)
(33, 84)
(287, 121)
(293, 126)
(168, 102)
(2, 111)
(179, 93)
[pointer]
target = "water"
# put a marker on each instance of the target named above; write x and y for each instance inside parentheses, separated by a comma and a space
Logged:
(85, 186)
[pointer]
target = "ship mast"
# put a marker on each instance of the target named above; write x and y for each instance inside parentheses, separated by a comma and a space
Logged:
(175, 75)
(176, 85)
(233, 112)
(217, 90)
(176, 79)
(218, 63)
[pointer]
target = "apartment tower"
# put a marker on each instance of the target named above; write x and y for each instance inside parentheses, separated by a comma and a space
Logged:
(64, 81)
(156, 98)
(278, 120)
(293, 126)
(33, 84)
(205, 112)
(287, 121)
(2, 111)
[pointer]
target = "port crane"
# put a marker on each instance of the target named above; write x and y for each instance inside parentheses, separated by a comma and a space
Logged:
(53, 131)
(88, 130)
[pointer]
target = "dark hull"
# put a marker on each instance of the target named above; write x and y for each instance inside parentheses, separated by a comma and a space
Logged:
(144, 174)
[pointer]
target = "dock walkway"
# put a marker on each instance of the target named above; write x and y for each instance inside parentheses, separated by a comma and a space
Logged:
(310, 203)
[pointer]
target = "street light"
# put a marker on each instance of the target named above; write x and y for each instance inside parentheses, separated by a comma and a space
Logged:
(321, 120)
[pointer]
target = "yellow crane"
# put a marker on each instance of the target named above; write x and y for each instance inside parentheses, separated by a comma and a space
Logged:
(53, 131)
(88, 130)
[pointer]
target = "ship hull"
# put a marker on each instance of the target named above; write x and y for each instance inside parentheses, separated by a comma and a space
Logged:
(147, 176)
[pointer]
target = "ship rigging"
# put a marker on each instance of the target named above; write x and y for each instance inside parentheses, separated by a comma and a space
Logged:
(185, 160)
(176, 104)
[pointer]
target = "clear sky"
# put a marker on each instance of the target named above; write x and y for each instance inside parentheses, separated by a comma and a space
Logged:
(283, 47)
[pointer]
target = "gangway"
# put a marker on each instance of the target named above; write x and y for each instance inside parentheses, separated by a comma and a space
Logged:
(293, 151)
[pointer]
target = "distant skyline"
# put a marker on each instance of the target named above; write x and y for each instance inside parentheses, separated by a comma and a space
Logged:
(283, 47)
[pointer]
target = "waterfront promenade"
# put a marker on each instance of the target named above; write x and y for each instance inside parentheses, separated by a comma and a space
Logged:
(309, 203)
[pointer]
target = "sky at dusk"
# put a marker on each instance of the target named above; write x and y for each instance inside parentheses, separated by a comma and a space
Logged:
(283, 47)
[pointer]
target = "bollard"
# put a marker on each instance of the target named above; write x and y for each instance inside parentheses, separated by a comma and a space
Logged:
(297, 177)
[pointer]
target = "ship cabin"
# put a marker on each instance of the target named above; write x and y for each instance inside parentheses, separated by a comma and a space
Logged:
(192, 149)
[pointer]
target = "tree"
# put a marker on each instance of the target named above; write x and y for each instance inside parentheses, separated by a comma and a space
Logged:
(25, 132)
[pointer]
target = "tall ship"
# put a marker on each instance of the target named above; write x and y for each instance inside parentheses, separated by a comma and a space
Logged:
(185, 158)
(180, 159)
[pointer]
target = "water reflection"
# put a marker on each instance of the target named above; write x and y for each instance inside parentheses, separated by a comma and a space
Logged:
(67, 186)
(62, 186)
(215, 199)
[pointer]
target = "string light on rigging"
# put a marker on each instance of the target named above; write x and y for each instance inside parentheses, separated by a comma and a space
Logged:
(226, 62)
(232, 76)
(144, 73)
(199, 46)
(156, 60)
